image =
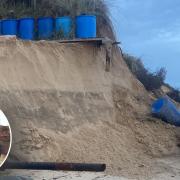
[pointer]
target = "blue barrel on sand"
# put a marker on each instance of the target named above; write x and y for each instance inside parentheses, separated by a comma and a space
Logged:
(9, 27)
(86, 26)
(63, 25)
(45, 27)
(26, 28)
(165, 109)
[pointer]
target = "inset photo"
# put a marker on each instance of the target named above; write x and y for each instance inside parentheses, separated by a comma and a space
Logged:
(5, 138)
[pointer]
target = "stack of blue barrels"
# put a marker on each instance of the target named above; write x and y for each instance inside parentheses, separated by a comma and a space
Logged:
(25, 28)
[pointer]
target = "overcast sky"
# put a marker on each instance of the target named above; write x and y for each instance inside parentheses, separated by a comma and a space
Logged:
(3, 119)
(150, 29)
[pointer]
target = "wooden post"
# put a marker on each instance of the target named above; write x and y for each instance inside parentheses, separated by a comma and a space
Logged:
(108, 48)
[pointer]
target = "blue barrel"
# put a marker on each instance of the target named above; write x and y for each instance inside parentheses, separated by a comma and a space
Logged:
(45, 27)
(64, 25)
(86, 26)
(9, 27)
(0, 27)
(164, 108)
(26, 28)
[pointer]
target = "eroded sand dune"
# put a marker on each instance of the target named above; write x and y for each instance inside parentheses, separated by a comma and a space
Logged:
(64, 106)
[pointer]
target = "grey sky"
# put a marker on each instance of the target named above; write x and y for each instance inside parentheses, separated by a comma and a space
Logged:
(150, 29)
(3, 119)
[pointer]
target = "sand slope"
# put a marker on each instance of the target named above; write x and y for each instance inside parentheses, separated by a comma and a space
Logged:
(64, 106)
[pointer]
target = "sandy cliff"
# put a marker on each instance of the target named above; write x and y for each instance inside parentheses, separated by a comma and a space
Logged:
(64, 106)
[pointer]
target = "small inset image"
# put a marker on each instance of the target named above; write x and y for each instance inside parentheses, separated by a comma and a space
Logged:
(5, 138)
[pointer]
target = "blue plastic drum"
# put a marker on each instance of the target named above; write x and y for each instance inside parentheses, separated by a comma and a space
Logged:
(26, 28)
(45, 27)
(63, 25)
(0, 27)
(86, 26)
(9, 27)
(165, 109)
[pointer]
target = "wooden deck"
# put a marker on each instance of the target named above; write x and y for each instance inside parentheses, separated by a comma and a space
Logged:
(97, 41)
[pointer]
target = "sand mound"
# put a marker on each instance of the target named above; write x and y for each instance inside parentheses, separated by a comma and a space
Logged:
(64, 106)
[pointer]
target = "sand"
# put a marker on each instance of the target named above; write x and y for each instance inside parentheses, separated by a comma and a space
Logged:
(2, 157)
(168, 168)
(64, 106)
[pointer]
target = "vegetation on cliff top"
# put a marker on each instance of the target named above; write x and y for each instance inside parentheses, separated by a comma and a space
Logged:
(150, 80)
(54, 8)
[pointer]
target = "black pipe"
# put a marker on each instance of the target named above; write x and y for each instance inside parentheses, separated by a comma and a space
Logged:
(54, 166)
